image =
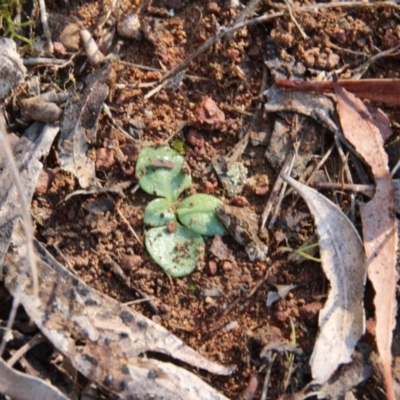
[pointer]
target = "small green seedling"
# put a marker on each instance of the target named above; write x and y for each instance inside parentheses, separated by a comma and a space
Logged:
(8, 25)
(175, 238)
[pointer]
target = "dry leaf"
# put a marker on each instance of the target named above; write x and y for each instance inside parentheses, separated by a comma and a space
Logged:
(105, 340)
(79, 125)
(30, 148)
(20, 386)
(341, 321)
(43, 107)
(379, 222)
(12, 70)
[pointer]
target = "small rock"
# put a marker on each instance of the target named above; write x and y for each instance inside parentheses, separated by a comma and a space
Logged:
(105, 159)
(227, 266)
(213, 7)
(233, 3)
(171, 226)
(131, 152)
(211, 268)
(46, 176)
(70, 36)
(59, 49)
(282, 316)
(208, 113)
(309, 312)
(131, 262)
(195, 138)
(259, 138)
(129, 27)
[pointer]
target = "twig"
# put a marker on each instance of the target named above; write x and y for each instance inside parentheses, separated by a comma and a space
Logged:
(11, 318)
(246, 12)
(360, 71)
(367, 190)
(37, 339)
(32, 61)
(294, 20)
(129, 225)
(267, 377)
(284, 186)
(45, 24)
(275, 191)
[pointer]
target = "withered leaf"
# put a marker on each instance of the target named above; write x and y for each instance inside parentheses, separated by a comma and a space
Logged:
(341, 321)
(378, 220)
(105, 340)
(79, 126)
(28, 150)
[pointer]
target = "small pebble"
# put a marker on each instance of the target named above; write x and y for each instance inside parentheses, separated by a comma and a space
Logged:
(105, 159)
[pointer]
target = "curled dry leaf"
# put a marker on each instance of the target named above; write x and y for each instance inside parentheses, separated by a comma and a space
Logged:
(44, 107)
(103, 338)
(341, 321)
(378, 220)
(79, 124)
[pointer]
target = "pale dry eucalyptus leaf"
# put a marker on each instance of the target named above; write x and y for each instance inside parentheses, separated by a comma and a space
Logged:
(105, 340)
(20, 386)
(12, 70)
(378, 221)
(28, 150)
(79, 126)
(341, 321)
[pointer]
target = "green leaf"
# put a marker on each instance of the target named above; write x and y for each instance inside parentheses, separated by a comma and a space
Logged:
(159, 171)
(197, 212)
(159, 212)
(175, 252)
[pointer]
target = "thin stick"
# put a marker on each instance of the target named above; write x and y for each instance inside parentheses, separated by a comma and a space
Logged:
(11, 318)
(367, 190)
(37, 339)
(267, 377)
(294, 20)
(129, 225)
(45, 24)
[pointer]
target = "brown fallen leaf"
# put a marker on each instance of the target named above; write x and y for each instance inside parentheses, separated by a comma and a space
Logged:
(378, 220)
(106, 341)
(382, 90)
(79, 126)
(341, 321)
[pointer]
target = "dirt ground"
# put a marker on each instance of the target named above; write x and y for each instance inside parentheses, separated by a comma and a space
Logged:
(214, 310)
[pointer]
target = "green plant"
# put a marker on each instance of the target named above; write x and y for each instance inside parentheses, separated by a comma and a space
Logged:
(7, 23)
(175, 236)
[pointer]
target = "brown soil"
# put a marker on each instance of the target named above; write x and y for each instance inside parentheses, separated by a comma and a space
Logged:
(211, 309)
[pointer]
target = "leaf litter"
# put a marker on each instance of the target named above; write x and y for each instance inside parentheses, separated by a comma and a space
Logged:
(378, 222)
(128, 103)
